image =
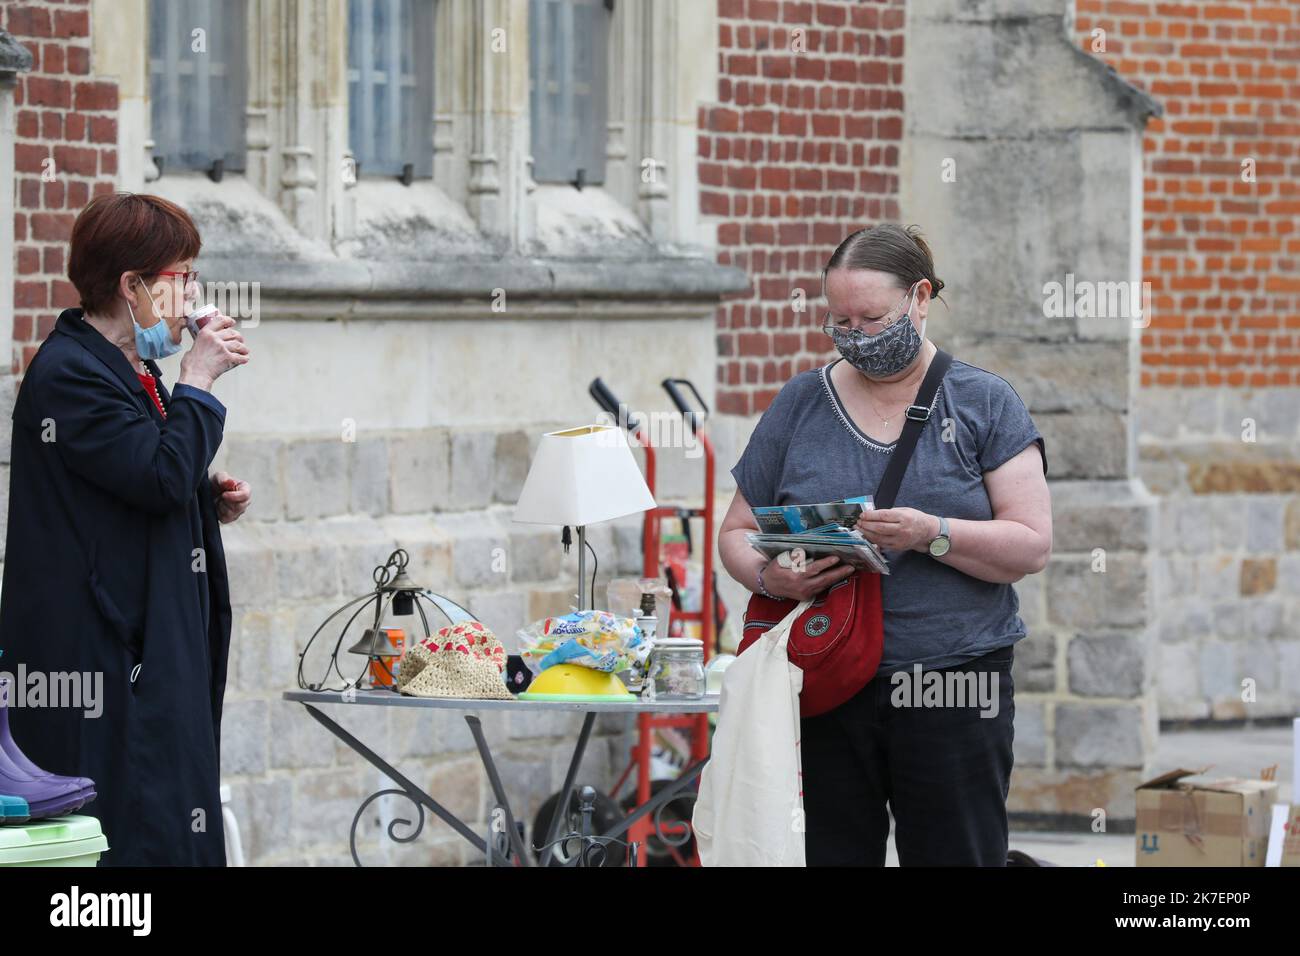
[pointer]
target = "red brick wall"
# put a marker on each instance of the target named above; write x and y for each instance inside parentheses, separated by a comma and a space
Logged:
(63, 114)
(1221, 253)
(800, 150)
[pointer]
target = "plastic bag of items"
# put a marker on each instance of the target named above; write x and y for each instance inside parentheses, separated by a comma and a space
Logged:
(595, 639)
(465, 660)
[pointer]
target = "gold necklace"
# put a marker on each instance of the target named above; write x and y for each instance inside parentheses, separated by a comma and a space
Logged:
(883, 419)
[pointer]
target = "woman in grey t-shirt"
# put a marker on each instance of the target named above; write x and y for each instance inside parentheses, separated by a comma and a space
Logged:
(972, 516)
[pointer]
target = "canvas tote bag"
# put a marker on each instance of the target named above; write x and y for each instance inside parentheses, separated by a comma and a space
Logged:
(749, 811)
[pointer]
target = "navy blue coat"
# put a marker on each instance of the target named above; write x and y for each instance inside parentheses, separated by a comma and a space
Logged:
(114, 566)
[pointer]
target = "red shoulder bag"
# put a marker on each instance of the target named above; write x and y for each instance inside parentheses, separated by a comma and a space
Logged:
(838, 640)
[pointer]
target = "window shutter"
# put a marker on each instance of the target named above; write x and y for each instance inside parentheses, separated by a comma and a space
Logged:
(569, 48)
(198, 97)
(590, 87)
(390, 85)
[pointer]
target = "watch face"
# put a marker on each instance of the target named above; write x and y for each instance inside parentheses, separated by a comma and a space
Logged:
(939, 547)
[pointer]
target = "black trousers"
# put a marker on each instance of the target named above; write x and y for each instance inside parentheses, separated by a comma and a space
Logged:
(943, 771)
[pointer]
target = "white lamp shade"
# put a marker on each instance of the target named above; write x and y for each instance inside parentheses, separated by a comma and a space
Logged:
(580, 476)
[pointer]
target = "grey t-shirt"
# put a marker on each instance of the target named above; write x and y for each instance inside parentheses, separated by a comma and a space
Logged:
(806, 449)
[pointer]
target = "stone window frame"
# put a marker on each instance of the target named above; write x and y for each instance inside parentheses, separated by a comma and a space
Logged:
(646, 56)
(296, 134)
(482, 117)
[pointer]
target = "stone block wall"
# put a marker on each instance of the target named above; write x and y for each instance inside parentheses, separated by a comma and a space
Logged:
(1224, 463)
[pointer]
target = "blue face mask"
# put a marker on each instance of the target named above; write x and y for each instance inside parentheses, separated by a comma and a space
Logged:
(154, 342)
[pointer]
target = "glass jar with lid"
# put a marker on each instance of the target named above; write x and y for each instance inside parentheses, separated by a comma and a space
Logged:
(677, 668)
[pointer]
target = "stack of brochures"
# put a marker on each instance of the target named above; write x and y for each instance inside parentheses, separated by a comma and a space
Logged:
(818, 531)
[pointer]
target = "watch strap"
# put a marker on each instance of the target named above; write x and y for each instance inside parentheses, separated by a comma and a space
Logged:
(942, 535)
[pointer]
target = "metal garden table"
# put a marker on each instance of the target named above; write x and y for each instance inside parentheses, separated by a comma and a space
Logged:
(387, 698)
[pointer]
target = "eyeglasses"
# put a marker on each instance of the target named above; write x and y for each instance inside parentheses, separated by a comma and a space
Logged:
(885, 321)
(191, 292)
(189, 276)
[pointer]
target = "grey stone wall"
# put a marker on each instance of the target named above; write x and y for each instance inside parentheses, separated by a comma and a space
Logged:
(1227, 575)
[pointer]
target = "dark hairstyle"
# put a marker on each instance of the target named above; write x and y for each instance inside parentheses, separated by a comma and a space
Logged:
(126, 232)
(888, 247)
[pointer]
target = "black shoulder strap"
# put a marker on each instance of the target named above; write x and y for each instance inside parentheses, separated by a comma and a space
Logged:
(918, 413)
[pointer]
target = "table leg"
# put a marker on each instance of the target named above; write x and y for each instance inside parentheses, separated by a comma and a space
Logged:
(562, 808)
(416, 795)
(476, 728)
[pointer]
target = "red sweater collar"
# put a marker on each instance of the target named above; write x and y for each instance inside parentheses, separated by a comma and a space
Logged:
(151, 388)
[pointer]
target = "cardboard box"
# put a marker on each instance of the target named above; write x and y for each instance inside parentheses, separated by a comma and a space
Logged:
(1221, 822)
(1291, 837)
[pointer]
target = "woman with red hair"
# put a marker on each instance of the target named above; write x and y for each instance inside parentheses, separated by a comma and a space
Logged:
(114, 568)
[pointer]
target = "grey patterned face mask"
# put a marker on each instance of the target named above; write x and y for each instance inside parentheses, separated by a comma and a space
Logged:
(884, 354)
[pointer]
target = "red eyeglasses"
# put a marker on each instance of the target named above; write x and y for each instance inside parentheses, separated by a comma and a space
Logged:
(189, 276)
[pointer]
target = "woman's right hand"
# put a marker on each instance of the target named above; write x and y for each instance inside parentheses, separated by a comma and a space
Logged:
(218, 348)
(803, 579)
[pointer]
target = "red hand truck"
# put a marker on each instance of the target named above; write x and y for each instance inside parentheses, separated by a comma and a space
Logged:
(696, 725)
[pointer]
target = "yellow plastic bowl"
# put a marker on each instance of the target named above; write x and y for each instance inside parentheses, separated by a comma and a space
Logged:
(574, 682)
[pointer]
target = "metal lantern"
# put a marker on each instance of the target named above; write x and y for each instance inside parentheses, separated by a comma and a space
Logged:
(394, 595)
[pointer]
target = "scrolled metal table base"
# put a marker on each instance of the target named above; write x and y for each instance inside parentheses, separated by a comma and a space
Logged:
(392, 835)
(422, 801)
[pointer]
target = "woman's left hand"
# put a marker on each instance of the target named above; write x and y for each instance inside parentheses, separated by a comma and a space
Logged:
(233, 496)
(899, 529)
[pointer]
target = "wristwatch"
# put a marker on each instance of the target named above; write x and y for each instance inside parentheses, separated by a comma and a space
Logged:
(940, 544)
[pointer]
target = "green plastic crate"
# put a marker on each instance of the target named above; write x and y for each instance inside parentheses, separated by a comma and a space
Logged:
(73, 840)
